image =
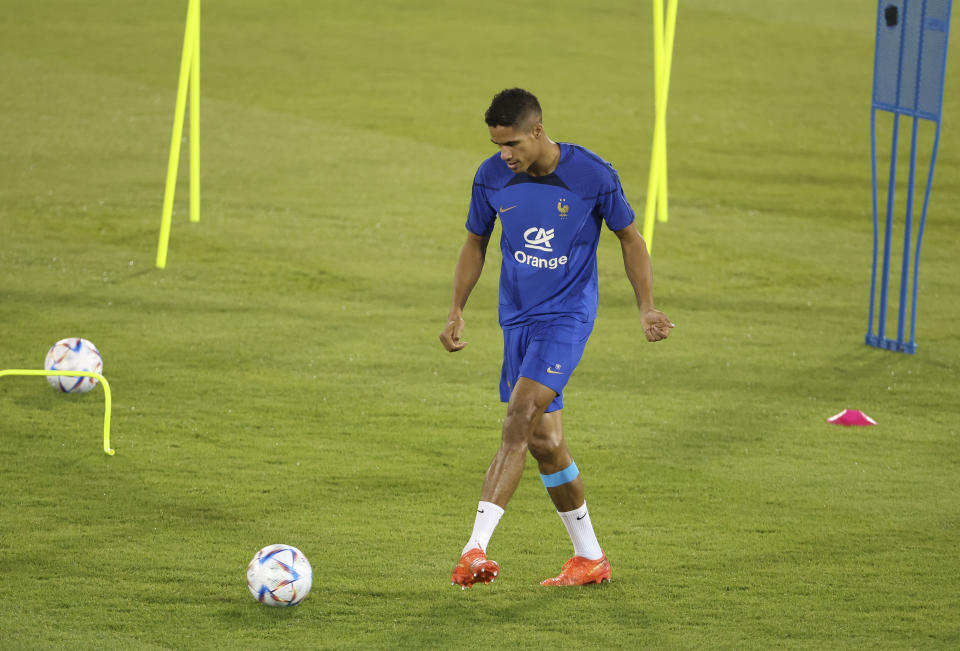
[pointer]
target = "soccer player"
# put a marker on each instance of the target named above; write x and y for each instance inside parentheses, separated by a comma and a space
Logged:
(551, 199)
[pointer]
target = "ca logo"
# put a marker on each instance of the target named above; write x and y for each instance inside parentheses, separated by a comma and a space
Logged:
(538, 239)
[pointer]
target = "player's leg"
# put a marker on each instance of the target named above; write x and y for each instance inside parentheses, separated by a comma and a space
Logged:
(565, 487)
(524, 410)
(527, 403)
(549, 448)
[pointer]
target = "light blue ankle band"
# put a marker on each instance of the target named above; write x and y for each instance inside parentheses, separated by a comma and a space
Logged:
(565, 476)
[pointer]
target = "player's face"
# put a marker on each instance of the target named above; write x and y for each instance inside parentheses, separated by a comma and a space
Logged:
(519, 148)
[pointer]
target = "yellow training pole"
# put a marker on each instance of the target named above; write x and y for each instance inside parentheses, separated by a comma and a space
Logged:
(107, 398)
(652, 183)
(659, 135)
(663, 37)
(189, 42)
(667, 62)
(195, 119)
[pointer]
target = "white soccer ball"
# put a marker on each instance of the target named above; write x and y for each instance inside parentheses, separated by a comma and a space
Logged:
(279, 575)
(73, 354)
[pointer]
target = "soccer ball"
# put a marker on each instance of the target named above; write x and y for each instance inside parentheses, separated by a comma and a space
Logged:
(279, 575)
(73, 354)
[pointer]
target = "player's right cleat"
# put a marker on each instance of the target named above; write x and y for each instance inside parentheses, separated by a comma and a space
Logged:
(474, 567)
(581, 571)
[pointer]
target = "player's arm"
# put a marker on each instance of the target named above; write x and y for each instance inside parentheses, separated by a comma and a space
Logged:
(636, 261)
(469, 266)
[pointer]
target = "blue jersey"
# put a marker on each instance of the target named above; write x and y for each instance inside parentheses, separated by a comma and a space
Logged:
(551, 227)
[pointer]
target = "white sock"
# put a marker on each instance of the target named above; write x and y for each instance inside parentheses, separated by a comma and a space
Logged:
(581, 533)
(488, 516)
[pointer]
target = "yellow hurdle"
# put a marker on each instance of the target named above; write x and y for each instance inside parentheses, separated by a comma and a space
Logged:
(663, 37)
(107, 398)
(189, 75)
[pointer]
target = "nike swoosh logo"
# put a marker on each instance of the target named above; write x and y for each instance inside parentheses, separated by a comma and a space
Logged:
(581, 517)
(552, 372)
(503, 210)
(479, 510)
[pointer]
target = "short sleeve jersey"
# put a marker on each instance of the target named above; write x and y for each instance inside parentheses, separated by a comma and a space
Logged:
(550, 231)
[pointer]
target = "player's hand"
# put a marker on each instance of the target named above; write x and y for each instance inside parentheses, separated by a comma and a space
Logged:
(655, 324)
(450, 337)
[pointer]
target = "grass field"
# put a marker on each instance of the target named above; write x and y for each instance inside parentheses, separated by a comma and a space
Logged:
(281, 380)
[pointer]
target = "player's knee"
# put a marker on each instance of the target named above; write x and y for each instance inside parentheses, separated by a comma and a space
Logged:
(513, 437)
(517, 426)
(544, 445)
(522, 414)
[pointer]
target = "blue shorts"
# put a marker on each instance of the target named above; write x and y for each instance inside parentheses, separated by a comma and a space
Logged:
(543, 351)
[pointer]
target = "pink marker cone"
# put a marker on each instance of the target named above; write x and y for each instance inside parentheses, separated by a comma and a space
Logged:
(850, 417)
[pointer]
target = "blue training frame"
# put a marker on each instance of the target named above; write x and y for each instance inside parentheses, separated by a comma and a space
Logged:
(897, 108)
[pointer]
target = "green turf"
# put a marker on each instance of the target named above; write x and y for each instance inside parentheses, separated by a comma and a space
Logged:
(282, 381)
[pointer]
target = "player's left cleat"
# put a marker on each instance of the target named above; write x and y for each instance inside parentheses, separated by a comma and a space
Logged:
(581, 571)
(474, 567)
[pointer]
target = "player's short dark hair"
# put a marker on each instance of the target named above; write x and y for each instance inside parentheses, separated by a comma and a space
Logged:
(513, 107)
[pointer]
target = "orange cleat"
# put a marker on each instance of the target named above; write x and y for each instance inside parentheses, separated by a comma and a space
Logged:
(581, 571)
(474, 567)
